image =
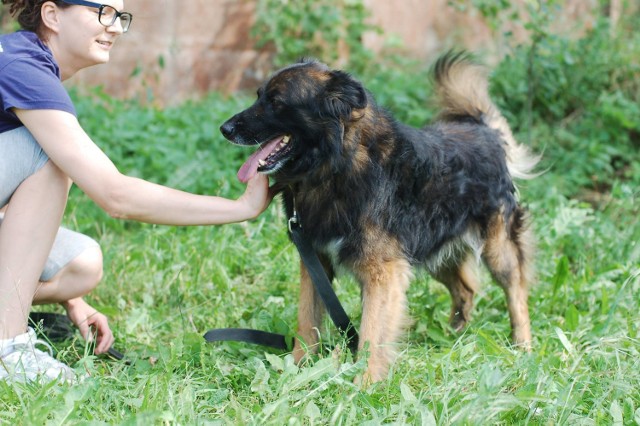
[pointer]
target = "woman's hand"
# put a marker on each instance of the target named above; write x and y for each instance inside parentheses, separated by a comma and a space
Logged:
(257, 196)
(90, 322)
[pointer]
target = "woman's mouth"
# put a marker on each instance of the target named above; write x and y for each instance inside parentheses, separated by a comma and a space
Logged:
(105, 44)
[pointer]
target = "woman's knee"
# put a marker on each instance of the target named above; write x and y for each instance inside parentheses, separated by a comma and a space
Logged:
(82, 274)
(55, 176)
(76, 279)
(87, 268)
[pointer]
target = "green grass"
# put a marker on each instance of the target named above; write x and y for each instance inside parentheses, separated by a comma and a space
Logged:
(165, 286)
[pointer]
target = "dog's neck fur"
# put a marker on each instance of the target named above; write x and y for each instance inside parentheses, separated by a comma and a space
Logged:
(327, 194)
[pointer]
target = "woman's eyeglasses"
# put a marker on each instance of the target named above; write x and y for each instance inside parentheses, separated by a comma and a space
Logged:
(107, 15)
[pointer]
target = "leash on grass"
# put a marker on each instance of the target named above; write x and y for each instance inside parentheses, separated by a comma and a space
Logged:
(323, 288)
(58, 327)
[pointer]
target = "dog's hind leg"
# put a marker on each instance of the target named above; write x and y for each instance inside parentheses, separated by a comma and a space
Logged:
(384, 305)
(462, 282)
(310, 312)
(508, 255)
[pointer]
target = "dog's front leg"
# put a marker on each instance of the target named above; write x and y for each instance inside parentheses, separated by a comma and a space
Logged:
(310, 312)
(384, 304)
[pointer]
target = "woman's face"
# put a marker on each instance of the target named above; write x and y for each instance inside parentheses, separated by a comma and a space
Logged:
(81, 40)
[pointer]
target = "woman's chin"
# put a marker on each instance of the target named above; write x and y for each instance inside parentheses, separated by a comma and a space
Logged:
(100, 56)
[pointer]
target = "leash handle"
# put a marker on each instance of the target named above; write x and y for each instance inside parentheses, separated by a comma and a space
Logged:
(59, 327)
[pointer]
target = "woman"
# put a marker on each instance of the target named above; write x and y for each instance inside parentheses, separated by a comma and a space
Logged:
(43, 149)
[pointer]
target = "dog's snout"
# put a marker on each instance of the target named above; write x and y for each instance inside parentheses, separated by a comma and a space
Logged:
(227, 129)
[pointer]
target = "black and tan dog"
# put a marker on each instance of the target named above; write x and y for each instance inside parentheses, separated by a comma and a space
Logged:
(379, 197)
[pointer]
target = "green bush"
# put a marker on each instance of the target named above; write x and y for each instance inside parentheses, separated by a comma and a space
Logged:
(332, 31)
(323, 30)
(586, 90)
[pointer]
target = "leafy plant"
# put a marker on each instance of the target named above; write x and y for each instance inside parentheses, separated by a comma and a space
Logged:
(329, 30)
(6, 24)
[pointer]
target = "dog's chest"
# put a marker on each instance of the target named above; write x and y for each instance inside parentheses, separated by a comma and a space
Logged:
(332, 250)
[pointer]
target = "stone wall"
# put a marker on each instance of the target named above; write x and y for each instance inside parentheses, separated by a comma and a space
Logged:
(182, 49)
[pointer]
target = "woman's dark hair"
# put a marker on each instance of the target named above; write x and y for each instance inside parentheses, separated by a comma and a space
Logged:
(27, 13)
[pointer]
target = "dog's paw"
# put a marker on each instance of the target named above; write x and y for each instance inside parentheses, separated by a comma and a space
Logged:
(368, 378)
(457, 323)
(298, 355)
(301, 351)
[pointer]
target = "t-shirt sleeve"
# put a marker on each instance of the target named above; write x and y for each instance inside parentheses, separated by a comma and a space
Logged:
(30, 83)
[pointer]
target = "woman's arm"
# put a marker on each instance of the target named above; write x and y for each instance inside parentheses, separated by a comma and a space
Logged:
(121, 196)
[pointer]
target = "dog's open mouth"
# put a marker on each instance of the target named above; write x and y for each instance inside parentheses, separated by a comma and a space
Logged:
(266, 158)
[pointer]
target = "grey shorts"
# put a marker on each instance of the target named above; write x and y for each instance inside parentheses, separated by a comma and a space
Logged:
(67, 246)
(20, 157)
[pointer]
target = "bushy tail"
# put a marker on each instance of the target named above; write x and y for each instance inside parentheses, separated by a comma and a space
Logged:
(462, 88)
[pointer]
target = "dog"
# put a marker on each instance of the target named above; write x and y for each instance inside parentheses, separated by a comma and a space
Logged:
(378, 197)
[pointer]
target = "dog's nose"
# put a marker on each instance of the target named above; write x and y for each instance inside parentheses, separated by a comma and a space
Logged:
(227, 129)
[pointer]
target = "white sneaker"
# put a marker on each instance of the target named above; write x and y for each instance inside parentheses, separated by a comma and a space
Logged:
(20, 361)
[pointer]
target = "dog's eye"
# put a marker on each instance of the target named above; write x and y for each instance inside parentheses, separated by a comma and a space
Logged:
(276, 103)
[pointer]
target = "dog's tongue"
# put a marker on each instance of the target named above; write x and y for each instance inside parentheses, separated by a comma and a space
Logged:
(250, 167)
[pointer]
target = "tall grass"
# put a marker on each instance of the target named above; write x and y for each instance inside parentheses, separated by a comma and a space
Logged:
(165, 286)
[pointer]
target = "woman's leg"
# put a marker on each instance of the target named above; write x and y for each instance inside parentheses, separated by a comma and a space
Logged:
(72, 270)
(76, 279)
(28, 230)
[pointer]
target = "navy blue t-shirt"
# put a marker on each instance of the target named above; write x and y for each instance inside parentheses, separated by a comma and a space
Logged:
(29, 78)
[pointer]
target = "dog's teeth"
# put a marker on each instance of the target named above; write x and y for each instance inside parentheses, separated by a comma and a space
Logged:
(262, 163)
(285, 140)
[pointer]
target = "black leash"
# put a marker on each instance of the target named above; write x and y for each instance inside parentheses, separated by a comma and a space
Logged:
(257, 337)
(322, 286)
(58, 327)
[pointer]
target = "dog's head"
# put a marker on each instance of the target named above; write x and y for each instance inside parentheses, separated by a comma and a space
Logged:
(298, 119)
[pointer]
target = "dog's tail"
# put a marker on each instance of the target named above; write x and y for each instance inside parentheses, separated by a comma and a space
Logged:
(462, 88)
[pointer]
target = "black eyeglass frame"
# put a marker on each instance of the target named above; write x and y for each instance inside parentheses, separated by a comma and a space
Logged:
(100, 7)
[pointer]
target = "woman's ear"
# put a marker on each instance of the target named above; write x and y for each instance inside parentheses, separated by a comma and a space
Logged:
(49, 13)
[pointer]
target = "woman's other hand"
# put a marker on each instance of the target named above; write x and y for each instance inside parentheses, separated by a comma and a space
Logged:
(91, 323)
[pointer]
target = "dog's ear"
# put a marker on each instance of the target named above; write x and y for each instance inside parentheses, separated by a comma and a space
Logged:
(343, 94)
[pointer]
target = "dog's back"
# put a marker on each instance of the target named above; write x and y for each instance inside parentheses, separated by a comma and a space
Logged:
(441, 188)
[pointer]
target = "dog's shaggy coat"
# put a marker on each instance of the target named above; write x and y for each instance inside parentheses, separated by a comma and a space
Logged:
(379, 197)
